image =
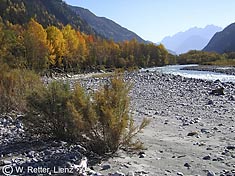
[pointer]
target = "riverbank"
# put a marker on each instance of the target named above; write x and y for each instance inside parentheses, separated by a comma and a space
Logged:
(191, 131)
(217, 69)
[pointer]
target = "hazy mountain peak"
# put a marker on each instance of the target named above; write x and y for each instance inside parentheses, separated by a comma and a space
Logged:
(194, 38)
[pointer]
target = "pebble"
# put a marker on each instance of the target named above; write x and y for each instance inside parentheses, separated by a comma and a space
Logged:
(130, 173)
(187, 165)
(210, 102)
(180, 174)
(142, 155)
(210, 173)
(231, 147)
(106, 167)
(208, 157)
(206, 131)
(192, 133)
(117, 174)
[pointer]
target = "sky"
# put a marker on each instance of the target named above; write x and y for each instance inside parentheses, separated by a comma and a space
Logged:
(155, 19)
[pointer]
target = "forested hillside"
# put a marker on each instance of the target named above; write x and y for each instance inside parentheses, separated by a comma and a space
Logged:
(106, 27)
(46, 12)
(223, 42)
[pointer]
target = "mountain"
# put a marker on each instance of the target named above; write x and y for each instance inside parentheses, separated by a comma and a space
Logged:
(223, 41)
(192, 39)
(106, 27)
(46, 12)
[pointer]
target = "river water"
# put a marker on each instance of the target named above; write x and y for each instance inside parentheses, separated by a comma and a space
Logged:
(206, 75)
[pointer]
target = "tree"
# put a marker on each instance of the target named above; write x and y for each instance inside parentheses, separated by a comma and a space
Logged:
(72, 45)
(35, 41)
(57, 46)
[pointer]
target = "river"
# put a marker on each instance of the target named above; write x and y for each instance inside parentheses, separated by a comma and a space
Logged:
(206, 75)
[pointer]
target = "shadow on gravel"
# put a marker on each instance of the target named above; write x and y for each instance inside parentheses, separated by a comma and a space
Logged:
(48, 153)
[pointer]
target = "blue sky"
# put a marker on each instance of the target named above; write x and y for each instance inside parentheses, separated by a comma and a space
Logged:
(155, 19)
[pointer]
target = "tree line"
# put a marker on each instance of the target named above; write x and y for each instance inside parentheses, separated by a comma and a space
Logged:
(207, 58)
(37, 48)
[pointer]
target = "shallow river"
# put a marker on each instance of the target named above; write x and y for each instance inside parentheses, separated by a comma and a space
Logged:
(176, 70)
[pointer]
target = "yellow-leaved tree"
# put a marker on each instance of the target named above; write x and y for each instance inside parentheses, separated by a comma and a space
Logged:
(72, 43)
(36, 48)
(57, 45)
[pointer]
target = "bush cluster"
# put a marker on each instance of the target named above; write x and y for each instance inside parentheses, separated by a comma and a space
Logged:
(101, 121)
(14, 88)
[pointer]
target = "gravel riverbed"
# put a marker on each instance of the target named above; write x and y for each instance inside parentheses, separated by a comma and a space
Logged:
(192, 132)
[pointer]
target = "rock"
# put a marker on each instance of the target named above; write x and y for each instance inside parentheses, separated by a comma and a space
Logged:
(106, 167)
(167, 171)
(5, 162)
(231, 147)
(142, 172)
(34, 160)
(218, 91)
(180, 174)
(31, 154)
(210, 102)
(208, 157)
(130, 173)
(117, 174)
(210, 173)
(187, 165)
(186, 124)
(206, 131)
(142, 155)
(192, 133)
(218, 159)
(2, 163)
(231, 98)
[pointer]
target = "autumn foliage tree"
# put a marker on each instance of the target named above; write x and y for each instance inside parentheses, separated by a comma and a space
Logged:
(36, 46)
(57, 46)
(71, 44)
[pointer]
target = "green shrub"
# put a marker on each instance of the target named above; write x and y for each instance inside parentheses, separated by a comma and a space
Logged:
(14, 87)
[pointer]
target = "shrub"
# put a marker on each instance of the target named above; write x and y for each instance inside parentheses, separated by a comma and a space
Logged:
(14, 87)
(100, 121)
(104, 118)
(115, 125)
(48, 114)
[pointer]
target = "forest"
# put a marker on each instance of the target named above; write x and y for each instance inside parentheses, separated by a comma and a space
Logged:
(207, 58)
(36, 48)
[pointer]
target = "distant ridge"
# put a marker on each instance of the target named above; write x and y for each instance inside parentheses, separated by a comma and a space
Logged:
(192, 39)
(106, 27)
(223, 42)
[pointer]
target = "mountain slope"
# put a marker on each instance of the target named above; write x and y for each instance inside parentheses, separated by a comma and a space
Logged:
(223, 41)
(192, 39)
(106, 27)
(46, 12)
